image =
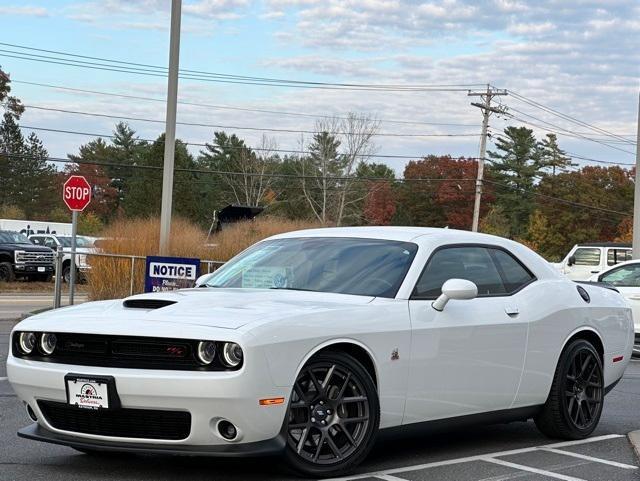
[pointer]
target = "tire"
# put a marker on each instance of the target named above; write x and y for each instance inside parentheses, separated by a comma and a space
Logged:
(575, 402)
(66, 273)
(6, 272)
(327, 436)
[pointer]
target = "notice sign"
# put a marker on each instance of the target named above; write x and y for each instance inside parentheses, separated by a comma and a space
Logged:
(170, 273)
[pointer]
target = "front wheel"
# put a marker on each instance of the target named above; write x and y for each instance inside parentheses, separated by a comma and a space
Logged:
(333, 417)
(6, 272)
(575, 402)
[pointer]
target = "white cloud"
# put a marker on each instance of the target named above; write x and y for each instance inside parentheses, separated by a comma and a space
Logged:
(24, 10)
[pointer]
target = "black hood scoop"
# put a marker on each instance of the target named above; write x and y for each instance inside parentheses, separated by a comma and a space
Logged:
(147, 303)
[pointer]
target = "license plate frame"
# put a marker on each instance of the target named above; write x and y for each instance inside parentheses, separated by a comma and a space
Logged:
(99, 391)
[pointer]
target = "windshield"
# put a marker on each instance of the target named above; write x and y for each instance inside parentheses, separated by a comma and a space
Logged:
(365, 267)
(80, 241)
(9, 237)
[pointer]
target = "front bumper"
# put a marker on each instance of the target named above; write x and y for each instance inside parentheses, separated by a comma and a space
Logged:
(208, 396)
(33, 269)
(260, 448)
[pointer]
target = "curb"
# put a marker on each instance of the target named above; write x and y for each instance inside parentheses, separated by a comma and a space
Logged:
(634, 438)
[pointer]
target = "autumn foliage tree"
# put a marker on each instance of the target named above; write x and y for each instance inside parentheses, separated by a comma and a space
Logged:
(380, 203)
(594, 201)
(439, 191)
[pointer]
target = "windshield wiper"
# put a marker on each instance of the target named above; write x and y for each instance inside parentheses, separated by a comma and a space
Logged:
(293, 289)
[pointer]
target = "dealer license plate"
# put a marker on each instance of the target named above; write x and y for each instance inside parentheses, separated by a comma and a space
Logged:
(41, 269)
(88, 393)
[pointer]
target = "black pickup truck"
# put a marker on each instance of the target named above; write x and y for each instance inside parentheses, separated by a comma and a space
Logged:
(19, 257)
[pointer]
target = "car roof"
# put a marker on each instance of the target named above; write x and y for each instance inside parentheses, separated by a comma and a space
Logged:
(605, 244)
(398, 233)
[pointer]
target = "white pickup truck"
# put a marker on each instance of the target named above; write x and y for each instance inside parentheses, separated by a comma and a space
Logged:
(84, 246)
(585, 260)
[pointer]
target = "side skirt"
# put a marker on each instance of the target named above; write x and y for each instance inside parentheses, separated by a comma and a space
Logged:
(495, 417)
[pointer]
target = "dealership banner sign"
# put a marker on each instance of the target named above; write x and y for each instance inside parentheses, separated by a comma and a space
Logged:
(170, 273)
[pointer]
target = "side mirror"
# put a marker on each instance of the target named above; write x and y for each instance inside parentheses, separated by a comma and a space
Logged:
(202, 279)
(571, 261)
(459, 289)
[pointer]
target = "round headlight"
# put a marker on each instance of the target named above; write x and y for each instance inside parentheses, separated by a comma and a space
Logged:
(27, 342)
(48, 343)
(206, 352)
(232, 354)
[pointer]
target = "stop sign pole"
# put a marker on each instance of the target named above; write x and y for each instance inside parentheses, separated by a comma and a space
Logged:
(76, 194)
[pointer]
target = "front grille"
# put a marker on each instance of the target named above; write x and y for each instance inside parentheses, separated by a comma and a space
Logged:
(120, 423)
(125, 352)
(24, 257)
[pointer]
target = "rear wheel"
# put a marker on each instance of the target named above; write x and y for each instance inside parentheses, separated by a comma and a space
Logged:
(575, 402)
(6, 272)
(333, 416)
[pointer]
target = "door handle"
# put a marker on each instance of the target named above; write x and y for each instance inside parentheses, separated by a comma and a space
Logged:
(634, 298)
(594, 272)
(511, 309)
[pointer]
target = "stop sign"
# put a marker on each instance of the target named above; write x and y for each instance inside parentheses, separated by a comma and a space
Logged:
(76, 192)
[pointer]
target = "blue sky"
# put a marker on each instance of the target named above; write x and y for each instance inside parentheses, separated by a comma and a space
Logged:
(579, 57)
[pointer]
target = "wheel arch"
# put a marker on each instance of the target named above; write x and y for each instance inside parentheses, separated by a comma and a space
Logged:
(352, 347)
(588, 334)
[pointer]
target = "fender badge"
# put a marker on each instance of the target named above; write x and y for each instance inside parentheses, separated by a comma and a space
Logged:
(395, 355)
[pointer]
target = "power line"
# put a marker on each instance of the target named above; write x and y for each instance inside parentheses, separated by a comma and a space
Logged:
(232, 127)
(228, 107)
(569, 118)
(257, 149)
(558, 199)
(573, 155)
(561, 131)
(246, 174)
(561, 128)
(231, 76)
(336, 178)
(222, 78)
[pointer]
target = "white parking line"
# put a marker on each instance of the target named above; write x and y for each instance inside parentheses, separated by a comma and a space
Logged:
(388, 477)
(590, 458)
(479, 457)
(522, 467)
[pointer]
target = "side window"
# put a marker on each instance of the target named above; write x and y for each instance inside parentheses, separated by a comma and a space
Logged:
(472, 263)
(625, 276)
(49, 242)
(616, 256)
(587, 256)
(514, 274)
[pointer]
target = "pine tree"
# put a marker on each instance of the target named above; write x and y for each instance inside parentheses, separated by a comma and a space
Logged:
(552, 156)
(515, 166)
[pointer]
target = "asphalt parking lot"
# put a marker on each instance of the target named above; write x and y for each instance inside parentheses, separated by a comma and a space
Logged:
(501, 452)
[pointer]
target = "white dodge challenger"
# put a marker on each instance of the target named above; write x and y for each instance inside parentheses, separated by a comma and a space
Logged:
(308, 343)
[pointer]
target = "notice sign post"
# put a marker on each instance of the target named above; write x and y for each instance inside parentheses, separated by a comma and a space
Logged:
(170, 273)
(76, 194)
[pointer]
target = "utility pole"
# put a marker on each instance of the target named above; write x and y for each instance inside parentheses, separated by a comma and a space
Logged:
(170, 129)
(487, 110)
(636, 197)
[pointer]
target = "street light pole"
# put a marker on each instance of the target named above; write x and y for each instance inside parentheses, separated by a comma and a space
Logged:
(170, 129)
(636, 197)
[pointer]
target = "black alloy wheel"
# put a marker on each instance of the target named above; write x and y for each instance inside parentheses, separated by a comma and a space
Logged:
(575, 403)
(333, 416)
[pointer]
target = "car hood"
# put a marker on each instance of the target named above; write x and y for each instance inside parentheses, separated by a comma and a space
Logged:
(206, 307)
(27, 247)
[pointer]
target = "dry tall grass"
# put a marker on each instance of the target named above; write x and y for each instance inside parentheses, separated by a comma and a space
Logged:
(110, 278)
